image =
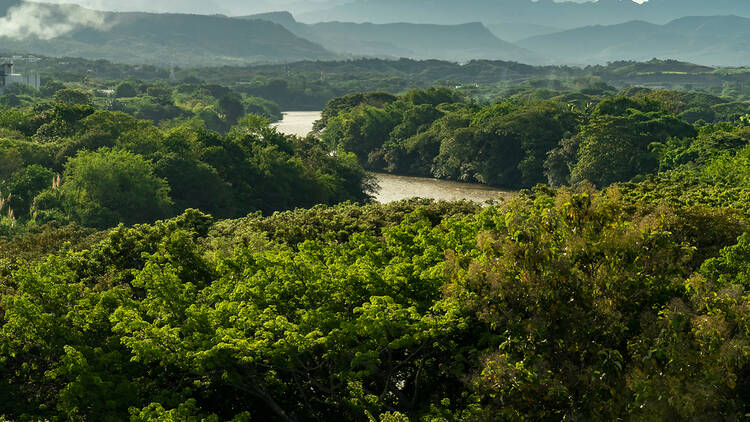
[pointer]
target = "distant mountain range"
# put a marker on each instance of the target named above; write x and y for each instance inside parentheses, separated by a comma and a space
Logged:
(134, 37)
(417, 41)
(514, 31)
(206, 40)
(565, 15)
(715, 40)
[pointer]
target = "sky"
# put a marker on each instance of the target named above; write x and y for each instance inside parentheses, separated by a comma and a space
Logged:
(226, 7)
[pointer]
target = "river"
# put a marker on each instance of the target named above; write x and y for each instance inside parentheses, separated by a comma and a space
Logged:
(395, 188)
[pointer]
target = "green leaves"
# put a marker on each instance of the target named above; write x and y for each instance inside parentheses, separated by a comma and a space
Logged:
(616, 148)
(69, 162)
(732, 266)
(559, 304)
(101, 189)
(435, 133)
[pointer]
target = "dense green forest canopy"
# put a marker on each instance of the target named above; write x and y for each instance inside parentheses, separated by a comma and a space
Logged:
(567, 304)
(309, 85)
(204, 267)
(218, 107)
(541, 133)
(65, 160)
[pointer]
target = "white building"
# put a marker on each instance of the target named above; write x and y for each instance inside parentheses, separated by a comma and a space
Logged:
(7, 77)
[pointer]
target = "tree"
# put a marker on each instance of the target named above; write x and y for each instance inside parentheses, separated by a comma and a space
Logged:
(231, 107)
(10, 100)
(11, 161)
(104, 188)
(72, 97)
(161, 94)
(50, 88)
(256, 105)
(25, 185)
(618, 148)
(195, 185)
(125, 90)
(433, 96)
(361, 131)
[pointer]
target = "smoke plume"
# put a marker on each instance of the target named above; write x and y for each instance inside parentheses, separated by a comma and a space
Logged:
(44, 21)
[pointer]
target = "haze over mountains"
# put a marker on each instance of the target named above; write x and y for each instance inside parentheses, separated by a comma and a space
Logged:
(461, 42)
(137, 37)
(713, 40)
(565, 14)
(557, 14)
(713, 32)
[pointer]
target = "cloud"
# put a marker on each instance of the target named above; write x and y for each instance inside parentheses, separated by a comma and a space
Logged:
(208, 7)
(158, 6)
(28, 20)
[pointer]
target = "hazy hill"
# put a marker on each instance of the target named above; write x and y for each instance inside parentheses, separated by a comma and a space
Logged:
(419, 41)
(167, 38)
(715, 40)
(565, 15)
(515, 31)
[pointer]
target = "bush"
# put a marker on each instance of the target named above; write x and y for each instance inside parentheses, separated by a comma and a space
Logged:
(104, 188)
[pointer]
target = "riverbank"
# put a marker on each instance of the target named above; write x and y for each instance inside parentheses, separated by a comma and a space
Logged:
(394, 188)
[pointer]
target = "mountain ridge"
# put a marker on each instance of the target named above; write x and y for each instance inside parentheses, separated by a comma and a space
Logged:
(711, 40)
(460, 42)
(567, 15)
(172, 38)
